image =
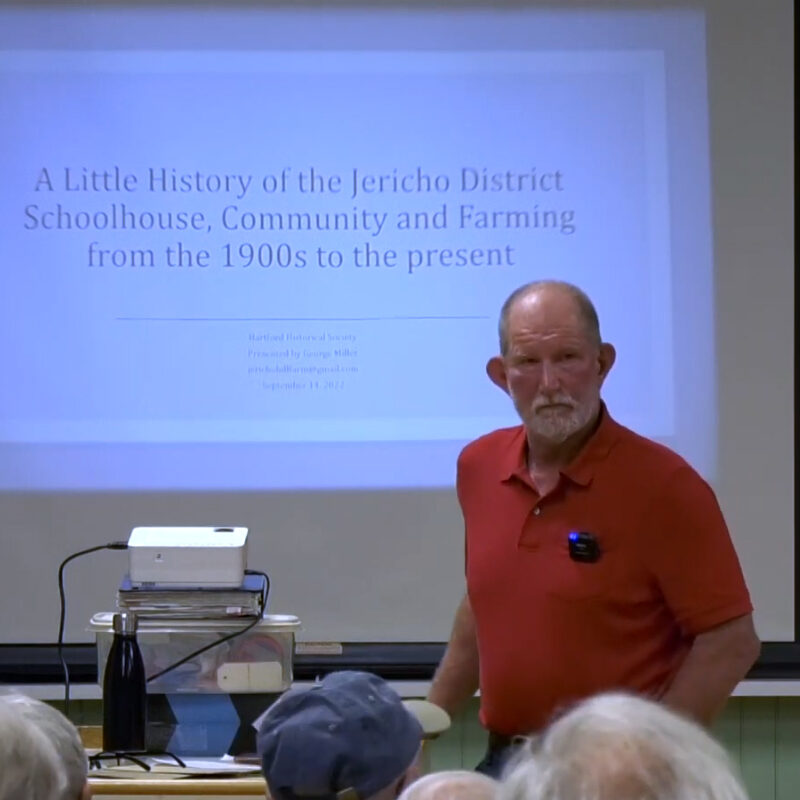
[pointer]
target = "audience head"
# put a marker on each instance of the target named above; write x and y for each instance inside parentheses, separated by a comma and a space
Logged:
(452, 785)
(63, 736)
(620, 747)
(349, 736)
(30, 767)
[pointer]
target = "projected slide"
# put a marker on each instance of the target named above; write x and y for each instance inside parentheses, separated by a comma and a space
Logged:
(306, 247)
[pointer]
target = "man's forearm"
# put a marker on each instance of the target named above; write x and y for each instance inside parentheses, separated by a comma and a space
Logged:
(718, 660)
(456, 679)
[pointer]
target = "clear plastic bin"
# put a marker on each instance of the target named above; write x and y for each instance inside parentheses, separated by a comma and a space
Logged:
(259, 661)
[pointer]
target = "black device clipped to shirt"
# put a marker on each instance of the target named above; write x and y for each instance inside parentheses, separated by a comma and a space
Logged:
(583, 547)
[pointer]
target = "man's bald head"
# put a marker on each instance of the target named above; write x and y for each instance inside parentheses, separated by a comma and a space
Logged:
(568, 298)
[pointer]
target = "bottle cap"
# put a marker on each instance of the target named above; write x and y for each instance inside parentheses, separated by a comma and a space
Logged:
(125, 622)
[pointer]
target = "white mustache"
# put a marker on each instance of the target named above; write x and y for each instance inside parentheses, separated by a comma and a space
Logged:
(560, 399)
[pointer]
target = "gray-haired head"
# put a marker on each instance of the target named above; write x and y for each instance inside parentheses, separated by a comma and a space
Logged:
(583, 304)
(452, 785)
(30, 766)
(63, 735)
(620, 747)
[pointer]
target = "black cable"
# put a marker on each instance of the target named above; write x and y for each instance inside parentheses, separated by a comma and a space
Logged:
(264, 597)
(62, 617)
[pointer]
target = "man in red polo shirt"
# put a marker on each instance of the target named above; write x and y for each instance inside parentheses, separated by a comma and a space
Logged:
(596, 559)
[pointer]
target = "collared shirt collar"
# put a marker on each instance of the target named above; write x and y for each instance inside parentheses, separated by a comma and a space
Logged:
(581, 469)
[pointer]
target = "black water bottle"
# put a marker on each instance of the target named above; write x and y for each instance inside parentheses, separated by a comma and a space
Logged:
(124, 690)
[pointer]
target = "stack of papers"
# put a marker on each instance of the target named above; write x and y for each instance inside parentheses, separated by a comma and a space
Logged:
(151, 600)
(165, 768)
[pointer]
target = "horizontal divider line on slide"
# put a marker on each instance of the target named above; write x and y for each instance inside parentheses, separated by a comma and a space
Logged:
(382, 318)
(39, 664)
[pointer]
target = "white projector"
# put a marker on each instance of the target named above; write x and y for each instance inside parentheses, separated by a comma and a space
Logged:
(188, 558)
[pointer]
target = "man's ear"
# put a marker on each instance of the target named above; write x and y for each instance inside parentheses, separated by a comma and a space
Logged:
(605, 359)
(496, 370)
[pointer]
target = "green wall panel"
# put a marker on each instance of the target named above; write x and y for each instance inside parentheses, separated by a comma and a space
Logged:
(787, 749)
(757, 759)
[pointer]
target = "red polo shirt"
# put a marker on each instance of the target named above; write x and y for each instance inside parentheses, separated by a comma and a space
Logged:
(552, 630)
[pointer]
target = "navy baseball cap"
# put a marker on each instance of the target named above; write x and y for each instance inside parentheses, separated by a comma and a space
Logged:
(348, 736)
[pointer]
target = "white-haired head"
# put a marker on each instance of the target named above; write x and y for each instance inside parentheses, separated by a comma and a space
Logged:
(452, 785)
(617, 746)
(30, 767)
(64, 737)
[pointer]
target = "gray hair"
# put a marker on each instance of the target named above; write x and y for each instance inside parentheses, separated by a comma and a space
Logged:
(620, 747)
(64, 737)
(452, 785)
(30, 767)
(584, 306)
